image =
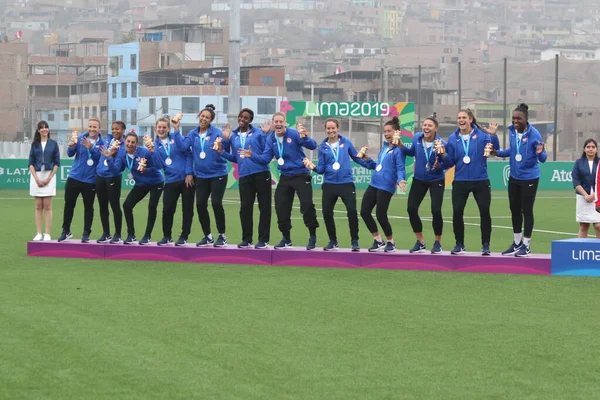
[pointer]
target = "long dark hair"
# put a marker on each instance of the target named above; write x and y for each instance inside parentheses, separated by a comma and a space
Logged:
(471, 115)
(394, 123)
(37, 136)
(583, 155)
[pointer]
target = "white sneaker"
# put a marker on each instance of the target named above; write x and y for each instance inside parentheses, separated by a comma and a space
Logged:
(38, 237)
(46, 238)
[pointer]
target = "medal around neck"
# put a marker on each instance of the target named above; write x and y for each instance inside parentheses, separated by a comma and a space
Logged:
(202, 155)
(518, 158)
(90, 162)
(379, 167)
(280, 161)
(466, 159)
(130, 176)
(336, 166)
(169, 161)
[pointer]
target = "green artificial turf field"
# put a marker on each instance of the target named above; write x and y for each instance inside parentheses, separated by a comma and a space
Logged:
(86, 329)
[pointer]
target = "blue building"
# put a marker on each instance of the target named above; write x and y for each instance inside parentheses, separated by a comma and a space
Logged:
(123, 84)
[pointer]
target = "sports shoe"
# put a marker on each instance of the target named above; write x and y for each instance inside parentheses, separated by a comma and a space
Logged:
(206, 241)
(437, 247)
(389, 247)
(485, 250)
(145, 240)
(221, 241)
(130, 239)
(513, 249)
(458, 249)
(38, 237)
(284, 244)
(85, 238)
(105, 238)
(116, 239)
(164, 242)
(261, 245)
(355, 246)
(524, 251)
(244, 245)
(181, 241)
(64, 236)
(377, 246)
(46, 238)
(332, 245)
(312, 243)
(418, 248)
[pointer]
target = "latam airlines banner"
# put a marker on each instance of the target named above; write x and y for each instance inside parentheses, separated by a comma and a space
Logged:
(14, 174)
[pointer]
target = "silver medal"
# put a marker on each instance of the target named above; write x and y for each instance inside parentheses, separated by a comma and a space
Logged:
(130, 176)
(280, 161)
(336, 165)
(518, 158)
(105, 163)
(427, 167)
(168, 161)
(90, 162)
(466, 159)
(379, 167)
(202, 155)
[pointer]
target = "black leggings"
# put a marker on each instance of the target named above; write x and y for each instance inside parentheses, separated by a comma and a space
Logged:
(172, 192)
(73, 188)
(287, 187)
(108, 191)
(135, 196)
(215, 189)
(380, 198)
(483, 197)
(521, 197)
(346, 192)
(418, 190)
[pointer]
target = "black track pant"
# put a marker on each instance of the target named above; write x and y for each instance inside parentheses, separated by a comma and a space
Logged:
(521, 197)
(252, 187)
(108, 191)
(213, 188)
(73, 188)
(284, 199)
(172, 192)
(135, 196)
(372, 198)
(331, 193)
(483, 197)
(418, 190)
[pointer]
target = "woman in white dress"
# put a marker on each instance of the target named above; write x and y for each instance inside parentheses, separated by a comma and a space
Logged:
(44, 161)
(584, 182)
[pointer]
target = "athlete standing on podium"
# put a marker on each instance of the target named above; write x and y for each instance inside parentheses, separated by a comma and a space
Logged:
(525, 153)
(285, 144)
(335, 156)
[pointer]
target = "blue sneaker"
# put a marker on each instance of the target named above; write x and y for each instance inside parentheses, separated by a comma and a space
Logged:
(513, 249)
(377, 246)
(389, 247)
(458, 249)
(261, 245)
(355, 245)
(221, 241)
(181, 241)
(244, 245)
(437, 247)
(85, 238)
(64, 236)
(130, 239)
(312, 243)
(524, 251)
(418, 248)
(105, 238)
(284, 244)
(205, 242)
(145, 240)
(332, 245)
(485, 250)
(116, 239)
(164, 242)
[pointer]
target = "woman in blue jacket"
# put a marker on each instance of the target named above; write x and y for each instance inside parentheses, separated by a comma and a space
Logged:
(254, 177)
(336, 154)
(526, 151)
(468, 149)
(148, 179)
(429, 176)
(210, 171)
(389, 173)
(44, 161)
(584, 181)
(285, 144)
(177, 164)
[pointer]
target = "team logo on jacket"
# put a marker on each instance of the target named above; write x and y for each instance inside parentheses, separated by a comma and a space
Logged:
(524, 140)
(172, 141)
(342, 145)
(289, 140)
(475, 137)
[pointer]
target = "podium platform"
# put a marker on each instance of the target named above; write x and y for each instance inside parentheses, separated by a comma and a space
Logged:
(576, 257)
(297, 257)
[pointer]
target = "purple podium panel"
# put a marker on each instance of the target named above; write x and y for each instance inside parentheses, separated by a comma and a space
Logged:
(66, 249)
(341, 258)
(207, 255)
(469, 262)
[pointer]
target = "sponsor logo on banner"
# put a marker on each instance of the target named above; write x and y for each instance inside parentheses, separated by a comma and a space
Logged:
(585, 255)
(561, 176)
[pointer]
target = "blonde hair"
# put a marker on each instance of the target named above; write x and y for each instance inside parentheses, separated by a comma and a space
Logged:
(95, 119)
(163, 119)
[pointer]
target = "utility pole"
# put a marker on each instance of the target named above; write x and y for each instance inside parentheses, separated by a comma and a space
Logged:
(234, 63)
